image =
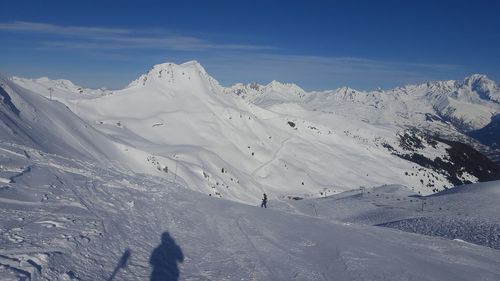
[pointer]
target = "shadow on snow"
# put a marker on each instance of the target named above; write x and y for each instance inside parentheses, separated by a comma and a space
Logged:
(164, 260)
(122, 263)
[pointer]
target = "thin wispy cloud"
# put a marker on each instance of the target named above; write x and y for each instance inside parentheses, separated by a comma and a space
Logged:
(37, 27)
(171, 43)
(105, 38)
(228, 62)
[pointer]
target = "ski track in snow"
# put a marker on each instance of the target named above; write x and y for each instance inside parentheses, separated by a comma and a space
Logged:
(272, 159)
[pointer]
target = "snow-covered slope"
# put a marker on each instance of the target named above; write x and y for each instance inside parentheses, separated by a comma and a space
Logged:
(33, 120)
(30, 119)
(465, 213)
(65, 219)
(238, 142)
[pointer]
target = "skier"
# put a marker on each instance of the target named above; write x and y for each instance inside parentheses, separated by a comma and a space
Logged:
(264, 202)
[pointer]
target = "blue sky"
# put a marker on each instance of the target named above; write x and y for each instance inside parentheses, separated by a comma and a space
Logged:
(315, 44)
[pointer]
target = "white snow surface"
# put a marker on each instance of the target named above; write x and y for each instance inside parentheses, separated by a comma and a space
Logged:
(91, 179)
(67, 219)
(178, 121)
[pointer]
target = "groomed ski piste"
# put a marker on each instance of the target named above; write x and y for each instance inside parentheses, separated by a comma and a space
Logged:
(90, 190)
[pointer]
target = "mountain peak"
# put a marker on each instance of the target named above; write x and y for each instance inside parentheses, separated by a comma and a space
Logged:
(169, 73)
(192, 64)
(477, 77)
(284, 87)
(481, 85)
(478, 81)
(345, 89)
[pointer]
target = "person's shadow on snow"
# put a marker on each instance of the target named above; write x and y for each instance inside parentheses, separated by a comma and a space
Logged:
(164, 260)
(122, 263)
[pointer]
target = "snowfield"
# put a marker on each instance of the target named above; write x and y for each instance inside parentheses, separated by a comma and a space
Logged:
(66, 219)
(133, 184)
(467, 213)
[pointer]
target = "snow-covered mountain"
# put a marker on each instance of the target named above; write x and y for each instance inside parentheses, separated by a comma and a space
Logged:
(452, 109)
(59, 87)
(122, 185)
(274, 92)
(465, 105)
(178, 121)
(29, 118)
